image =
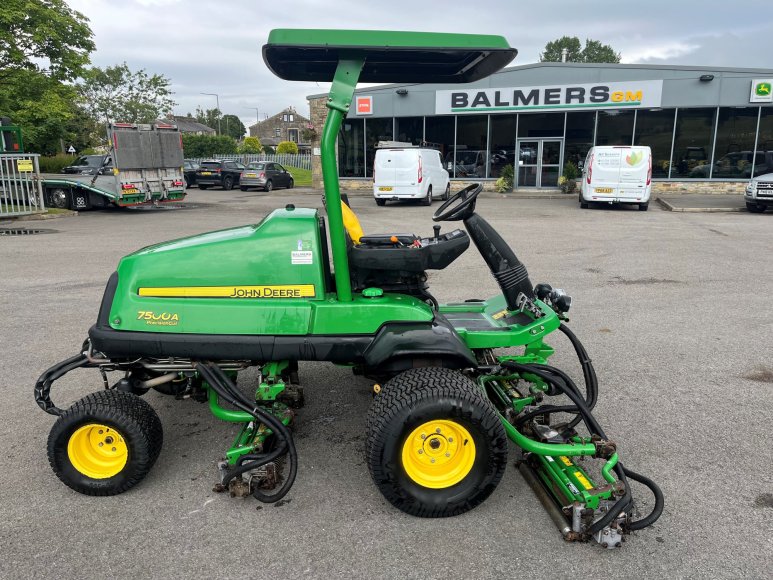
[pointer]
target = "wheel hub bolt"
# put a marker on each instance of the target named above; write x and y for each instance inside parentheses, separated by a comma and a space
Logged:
(108, 440)
(437, 430)
(434, 443)
(421, 451)
(423, 436)
(432, 461)
(113, 448)
(448, 455)
(450, 439)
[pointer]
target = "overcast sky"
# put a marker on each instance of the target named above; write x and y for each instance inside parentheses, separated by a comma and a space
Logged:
(214, 46)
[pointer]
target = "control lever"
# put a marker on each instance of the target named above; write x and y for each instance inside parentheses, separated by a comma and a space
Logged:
(437, 232)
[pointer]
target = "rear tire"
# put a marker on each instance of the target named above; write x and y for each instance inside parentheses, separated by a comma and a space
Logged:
(458, 463)
(644, 206)
(243, 187)
(380, 202)
(105, 443)
(203, 187)
(447, 193)
(754, 208)
(428, 200)
(228, 183)
(269, 186)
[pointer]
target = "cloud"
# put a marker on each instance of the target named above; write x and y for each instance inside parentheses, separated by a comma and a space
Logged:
(214, 47)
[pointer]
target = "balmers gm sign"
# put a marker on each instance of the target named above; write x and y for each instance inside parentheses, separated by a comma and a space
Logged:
(617, 95)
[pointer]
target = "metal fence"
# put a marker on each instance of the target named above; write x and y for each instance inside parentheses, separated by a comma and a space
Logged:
(20, 190)
(302, 161)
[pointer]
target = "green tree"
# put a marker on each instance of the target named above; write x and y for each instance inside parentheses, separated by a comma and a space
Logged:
(43, 35)
(43, 107)
(594, 51)
(232, 126)
(287, 148)
(554, 48)
(250, 145)
(210, 117)
(118, 94)
(208, 145)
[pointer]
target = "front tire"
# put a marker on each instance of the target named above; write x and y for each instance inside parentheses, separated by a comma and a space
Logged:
(203, 187)
(754, 208)
(447, 193)
(380, 202)
(291, 184)
(269, 186)
(105, 443)
(435, 445)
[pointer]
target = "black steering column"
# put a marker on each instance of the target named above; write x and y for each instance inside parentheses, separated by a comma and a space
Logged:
(507, 269)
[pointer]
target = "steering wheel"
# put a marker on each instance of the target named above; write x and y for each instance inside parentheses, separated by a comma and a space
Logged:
(460, 206)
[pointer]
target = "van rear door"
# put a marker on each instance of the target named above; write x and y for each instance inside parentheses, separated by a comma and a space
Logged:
(605, 176)
(396, 171)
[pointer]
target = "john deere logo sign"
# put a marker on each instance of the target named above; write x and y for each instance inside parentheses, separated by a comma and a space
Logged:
(761, 91)
(617, 95)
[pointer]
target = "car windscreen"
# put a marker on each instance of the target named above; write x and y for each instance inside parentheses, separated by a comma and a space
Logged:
(256, 166)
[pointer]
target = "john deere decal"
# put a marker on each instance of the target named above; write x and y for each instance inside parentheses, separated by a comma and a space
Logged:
(762, 91)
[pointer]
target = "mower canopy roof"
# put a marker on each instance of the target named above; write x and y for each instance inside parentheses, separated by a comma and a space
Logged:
(421, 57)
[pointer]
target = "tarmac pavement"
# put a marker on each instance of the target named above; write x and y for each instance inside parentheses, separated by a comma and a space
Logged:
(674, 309)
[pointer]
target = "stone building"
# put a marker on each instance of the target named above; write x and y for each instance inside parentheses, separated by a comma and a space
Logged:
(287, 125)
(189, 125)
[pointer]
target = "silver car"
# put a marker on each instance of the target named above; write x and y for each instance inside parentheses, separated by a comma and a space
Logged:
(265, 175)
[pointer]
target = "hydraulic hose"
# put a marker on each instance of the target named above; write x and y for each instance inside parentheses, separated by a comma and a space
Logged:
(46, 380)
(224, 387)
(583, 410)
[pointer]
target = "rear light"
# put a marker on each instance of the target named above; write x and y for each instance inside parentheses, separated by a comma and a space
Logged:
(649, 171)
(178, 182)
(124, 125)
(590, 169)
(420, 176)
(217, 170)
(128, 186)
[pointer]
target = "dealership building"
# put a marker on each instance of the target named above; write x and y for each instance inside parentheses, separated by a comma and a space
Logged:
(710, 129)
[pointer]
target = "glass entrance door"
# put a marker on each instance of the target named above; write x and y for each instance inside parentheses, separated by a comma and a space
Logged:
(539, 162)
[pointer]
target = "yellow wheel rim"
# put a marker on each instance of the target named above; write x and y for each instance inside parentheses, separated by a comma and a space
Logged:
(438, 454)
(97, 451)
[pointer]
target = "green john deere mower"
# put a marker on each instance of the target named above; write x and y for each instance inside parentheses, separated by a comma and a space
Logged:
(184, 317)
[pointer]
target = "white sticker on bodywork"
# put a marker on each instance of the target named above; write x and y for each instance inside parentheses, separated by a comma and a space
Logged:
(302, 257)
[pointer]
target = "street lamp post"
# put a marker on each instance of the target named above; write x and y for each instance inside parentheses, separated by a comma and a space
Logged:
(219, 112)
(257, 119)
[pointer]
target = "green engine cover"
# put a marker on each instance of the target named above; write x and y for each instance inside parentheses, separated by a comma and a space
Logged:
(267, 279)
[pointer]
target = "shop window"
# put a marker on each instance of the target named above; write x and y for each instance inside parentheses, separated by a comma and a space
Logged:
(614, 128)
(409, 130)
(734, 145)
(579, 136)
(375, 130)
(502, 143)
(541, 125)
(439, 133)
(764, 156)
(351, 152)
(655, 128)
(470, 156)
(692, 143)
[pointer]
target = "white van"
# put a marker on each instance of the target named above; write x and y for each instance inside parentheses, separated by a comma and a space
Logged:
(405, 172)
(618, 174)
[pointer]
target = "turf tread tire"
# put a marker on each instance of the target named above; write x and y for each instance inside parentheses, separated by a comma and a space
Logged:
(406, 401)
(133, 417)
